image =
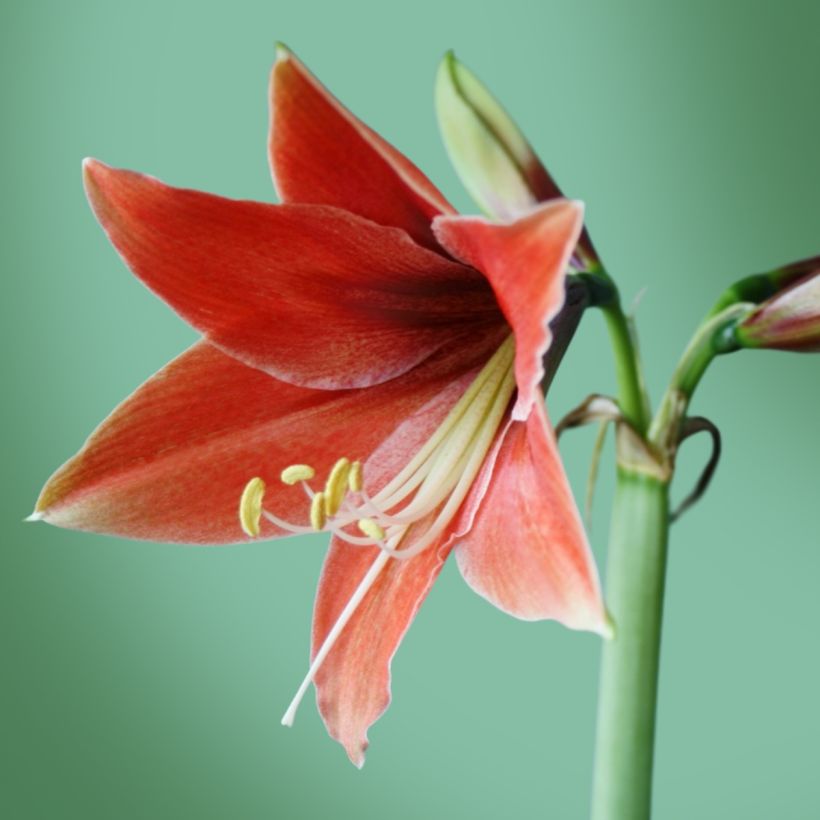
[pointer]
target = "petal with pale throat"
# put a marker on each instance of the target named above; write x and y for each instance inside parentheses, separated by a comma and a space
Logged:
(353, 683)
(311, 294)
(170, 463)
(526, 551)
(320, 153)
(525, 261)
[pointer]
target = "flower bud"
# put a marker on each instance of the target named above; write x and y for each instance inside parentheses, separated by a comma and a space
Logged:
(493, 159)
(789, 320)
(491, 156)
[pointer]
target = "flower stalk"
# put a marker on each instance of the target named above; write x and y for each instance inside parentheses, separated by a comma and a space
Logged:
(636, 569)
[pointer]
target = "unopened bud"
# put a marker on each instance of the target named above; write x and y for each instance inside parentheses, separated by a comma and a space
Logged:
(491, 156)
(789, 320)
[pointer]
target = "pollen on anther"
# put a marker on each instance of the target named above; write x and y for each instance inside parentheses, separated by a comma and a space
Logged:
(355, 479)
(250, 506)
(336, 486)
(296, 473)
(317, 511)
(371, 529)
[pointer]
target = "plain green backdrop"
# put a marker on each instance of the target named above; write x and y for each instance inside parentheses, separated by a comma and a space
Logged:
(147, 681)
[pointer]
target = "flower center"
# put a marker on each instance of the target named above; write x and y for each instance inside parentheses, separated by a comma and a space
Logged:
(412, 512)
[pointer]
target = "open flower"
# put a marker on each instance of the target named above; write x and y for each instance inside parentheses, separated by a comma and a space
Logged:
(362, 333)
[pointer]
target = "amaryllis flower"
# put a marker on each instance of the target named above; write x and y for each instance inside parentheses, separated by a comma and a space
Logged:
(362, 338)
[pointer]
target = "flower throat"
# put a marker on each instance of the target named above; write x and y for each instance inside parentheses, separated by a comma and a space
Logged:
(412, 512)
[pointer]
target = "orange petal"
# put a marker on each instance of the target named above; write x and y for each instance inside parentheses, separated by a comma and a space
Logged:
(170, 463)
(525, 261)
(353, 684)
(526, 551)
(311, 294)
(320, 153)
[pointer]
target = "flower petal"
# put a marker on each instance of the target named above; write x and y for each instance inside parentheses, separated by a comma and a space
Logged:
(170, 463)
(353, 684)
(525, 261)
(320, 153)
(526, 551)
(311, 294)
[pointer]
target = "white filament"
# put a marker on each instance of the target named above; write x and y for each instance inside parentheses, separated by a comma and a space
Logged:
(439, 476)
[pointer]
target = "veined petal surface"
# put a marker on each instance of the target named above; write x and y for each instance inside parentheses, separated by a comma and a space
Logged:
(170, 463)
(320, 153)
(526, 551)
(310, 294)
(353, 684)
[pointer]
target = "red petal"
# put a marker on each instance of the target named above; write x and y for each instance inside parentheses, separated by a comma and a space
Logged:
(311, 294)
(170, 463)
(525, 261)
(526, 551)
(353, 684)
(321, 153)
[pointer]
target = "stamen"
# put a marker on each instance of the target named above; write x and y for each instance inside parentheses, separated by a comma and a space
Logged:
(297, 472)
(296, 529)
(250, 506)
(336, 486)
(317, 511)
(355, 477)
(370, 528)
(412, 512)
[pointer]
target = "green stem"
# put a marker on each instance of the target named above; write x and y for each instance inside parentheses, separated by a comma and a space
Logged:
(631, 393)
(709, 341)
(622, 787)
(603, 293)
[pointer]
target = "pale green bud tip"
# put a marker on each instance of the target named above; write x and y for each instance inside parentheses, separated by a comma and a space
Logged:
(282, 51)
(492, 157)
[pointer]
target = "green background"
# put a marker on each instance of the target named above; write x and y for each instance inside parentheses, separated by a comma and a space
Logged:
(147, 681)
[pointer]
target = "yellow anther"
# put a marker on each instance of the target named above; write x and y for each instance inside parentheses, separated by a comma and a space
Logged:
(317, 511)
(296, 473)
(336, 486)
(354, 477)
(250, 506)
(371, 529)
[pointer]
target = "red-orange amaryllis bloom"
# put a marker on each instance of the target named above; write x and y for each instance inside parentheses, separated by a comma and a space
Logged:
(360, 319)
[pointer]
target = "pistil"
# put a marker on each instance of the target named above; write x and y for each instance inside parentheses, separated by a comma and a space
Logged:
(436, 480)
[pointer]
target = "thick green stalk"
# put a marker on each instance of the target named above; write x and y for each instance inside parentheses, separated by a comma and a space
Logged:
(622, 787)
